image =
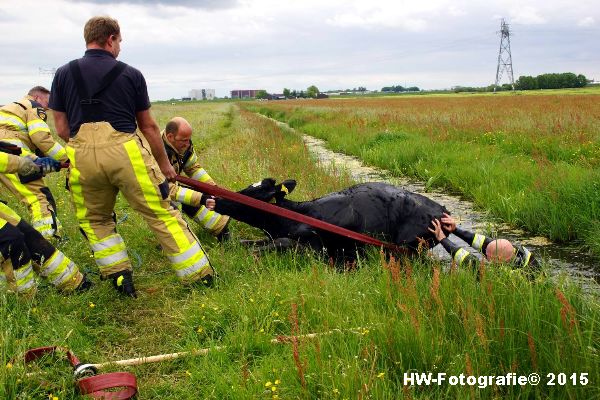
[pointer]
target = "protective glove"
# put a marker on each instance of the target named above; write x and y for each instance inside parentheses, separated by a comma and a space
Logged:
(27, 167)
(47, 165)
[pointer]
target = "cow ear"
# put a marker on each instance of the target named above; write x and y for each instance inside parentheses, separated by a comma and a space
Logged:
(289, 185)
(284, 188)
(268, 182)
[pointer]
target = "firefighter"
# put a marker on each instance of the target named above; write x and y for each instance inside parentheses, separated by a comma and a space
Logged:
(23, 123)
(180, 150)
(20, 243)
(98, 103)
(499, 250)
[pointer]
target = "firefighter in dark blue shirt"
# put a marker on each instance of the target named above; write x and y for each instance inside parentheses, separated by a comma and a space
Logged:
(98, 102)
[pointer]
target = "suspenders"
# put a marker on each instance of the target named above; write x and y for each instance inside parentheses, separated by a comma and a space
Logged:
(91, 105)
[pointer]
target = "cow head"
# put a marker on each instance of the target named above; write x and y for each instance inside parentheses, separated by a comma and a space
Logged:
(268, 191)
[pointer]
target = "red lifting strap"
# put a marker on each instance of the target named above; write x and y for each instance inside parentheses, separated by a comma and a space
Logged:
(95, 386)
(282, 212)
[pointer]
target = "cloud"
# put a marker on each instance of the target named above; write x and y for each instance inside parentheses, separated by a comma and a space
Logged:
(527, 15)
(196, 4)
(586, 22)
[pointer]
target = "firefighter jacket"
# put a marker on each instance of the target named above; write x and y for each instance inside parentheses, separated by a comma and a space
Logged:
(187, 162)
(9, 164)
(23, 123)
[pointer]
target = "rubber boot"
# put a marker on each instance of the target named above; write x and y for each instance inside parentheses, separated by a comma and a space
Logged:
(123, 283)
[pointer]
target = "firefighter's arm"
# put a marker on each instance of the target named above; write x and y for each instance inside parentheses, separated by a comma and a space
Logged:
(193, 169)
(460, 255)
(40, 136)
(61, 123)
(190, 197)
(151, 132)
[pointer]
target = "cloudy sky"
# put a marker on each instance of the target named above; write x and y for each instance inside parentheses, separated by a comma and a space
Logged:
(271, 44)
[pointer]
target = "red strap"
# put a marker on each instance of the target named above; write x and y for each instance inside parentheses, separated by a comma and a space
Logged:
(34, 354)
(95, 386)
(282, 212)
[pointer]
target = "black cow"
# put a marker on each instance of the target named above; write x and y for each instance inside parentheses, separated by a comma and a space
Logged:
(378, 209)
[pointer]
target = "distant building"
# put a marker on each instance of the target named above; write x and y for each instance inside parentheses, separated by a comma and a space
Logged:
(202, 94)
(244, 94)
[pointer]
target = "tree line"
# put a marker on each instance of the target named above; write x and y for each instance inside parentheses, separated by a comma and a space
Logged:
(551, 81)
(543, 81)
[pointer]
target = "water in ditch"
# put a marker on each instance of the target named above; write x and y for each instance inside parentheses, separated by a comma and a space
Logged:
(561, 257)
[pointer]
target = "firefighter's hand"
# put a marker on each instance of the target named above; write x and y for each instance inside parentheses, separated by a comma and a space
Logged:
(208, 201)
(437, 230)
(47, 164)
(210, 204)
(448, 223)
(27, 167)
(168, 171)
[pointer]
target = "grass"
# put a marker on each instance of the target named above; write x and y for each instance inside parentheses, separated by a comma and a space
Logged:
(532, 161)
(385, 319)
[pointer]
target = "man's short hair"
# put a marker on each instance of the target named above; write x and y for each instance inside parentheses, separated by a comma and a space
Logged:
(172, 127)
(99, 29)
(38, 90)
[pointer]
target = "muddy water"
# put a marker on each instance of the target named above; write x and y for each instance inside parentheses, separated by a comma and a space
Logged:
(560, 257)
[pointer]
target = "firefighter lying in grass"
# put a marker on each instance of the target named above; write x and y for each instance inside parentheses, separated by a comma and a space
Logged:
(499, 250)
(23, 250)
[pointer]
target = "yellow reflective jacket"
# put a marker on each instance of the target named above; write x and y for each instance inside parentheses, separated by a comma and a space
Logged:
(23, 123)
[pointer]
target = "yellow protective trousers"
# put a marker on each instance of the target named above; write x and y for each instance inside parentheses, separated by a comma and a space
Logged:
(104, 162)
(58, 268)
(38, 199)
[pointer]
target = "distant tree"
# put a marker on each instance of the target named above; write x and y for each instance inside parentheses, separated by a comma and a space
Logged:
(286, 93)
(294, 93)
(413, 89)
(262, 94)
(312, 92)
(362, 89)
(526, 83)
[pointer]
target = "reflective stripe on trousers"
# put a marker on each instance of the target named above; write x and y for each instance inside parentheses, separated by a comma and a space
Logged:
(109, 251)
(24, 278)
(189, 263)
(60, 270)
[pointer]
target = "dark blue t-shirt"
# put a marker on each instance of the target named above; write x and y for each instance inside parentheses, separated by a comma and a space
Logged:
(126, 96)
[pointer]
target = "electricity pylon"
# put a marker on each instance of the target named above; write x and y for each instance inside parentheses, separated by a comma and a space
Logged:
(504, 56)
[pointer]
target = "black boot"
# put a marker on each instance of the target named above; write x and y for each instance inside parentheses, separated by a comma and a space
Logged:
(123, 282)
(225, 234)
(85, 284)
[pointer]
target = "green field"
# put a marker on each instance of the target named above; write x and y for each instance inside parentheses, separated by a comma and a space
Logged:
(379, 322)
(530, 160)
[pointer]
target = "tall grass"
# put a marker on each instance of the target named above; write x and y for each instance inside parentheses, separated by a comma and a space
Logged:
(387, 318)
(533, 161)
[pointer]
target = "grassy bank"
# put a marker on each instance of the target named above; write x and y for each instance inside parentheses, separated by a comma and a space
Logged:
(533, 161)
(383, 320)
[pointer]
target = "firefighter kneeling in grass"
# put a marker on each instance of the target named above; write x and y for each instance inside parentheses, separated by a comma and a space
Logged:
(98, 103)
(180, 150)
(20, 244)
(23, 124)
